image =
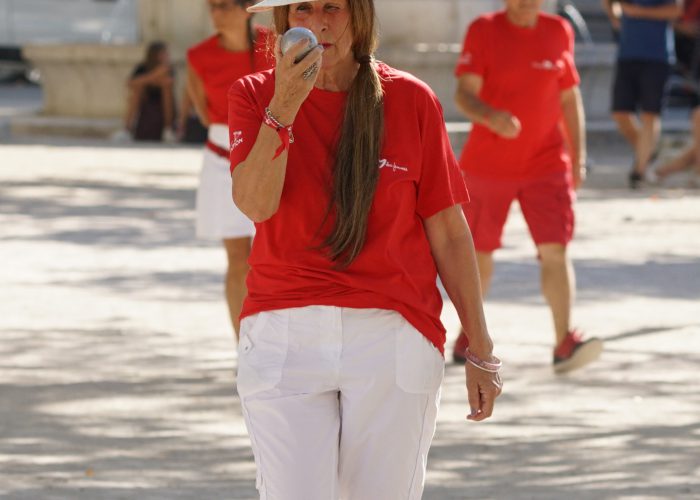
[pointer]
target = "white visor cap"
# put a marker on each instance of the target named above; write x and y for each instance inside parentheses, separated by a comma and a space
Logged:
(270, 4)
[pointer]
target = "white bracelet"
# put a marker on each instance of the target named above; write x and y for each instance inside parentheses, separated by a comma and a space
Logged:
(488, 366)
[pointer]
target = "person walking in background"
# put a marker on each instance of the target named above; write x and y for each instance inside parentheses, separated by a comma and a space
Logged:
(517, 91)
(345, 165)
(687, 159)
(237, 49)
(150, 112)
(686, 31)
(645, 54)
(687, 40)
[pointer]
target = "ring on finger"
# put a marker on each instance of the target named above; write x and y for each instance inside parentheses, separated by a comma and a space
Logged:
(310, 71)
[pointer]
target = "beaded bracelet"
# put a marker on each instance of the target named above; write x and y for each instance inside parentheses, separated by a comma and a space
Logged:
(488, 366)
(285, 132)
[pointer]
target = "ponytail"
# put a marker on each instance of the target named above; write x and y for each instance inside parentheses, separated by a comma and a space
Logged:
(356, 169)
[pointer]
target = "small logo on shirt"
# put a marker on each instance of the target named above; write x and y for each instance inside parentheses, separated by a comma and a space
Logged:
(236, 139)
(548, 65)
(465, 58)
(393, 166)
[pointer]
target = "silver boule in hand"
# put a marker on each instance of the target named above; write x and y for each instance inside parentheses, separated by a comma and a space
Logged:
(295, 35)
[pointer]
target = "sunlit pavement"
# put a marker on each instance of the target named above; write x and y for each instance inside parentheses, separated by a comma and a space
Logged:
(117, 363)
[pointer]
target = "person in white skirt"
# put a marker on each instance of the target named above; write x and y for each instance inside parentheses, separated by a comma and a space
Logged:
(345, 166)
(237, 49)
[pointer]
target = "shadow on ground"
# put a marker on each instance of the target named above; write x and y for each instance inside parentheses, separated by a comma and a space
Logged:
(135, 216)
(158, 419)
(604, 450)
(152, 420)
(662, 276)
(117, 405)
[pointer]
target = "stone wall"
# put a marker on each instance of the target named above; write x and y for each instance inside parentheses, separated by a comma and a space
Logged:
(179, 22)
(87, 81)
(431, 21)
(420, 21)
(425, 39)
(420, 36)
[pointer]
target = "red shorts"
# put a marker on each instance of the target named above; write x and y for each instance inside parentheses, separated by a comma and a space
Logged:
(546, 202)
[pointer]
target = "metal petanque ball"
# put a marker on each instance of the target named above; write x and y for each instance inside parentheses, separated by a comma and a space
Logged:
(295, 35)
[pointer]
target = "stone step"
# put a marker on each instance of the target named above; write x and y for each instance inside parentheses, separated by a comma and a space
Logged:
(65, 126)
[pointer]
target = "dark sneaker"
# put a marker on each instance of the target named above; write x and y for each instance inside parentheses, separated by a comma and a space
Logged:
(459, 351)
(635, 179)
(573, 352)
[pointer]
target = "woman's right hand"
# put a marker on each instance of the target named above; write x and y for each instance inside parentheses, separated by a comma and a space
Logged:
(482, 390)
(504, 124)
(291, 87)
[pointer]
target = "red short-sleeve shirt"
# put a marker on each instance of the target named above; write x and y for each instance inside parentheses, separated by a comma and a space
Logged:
(419, 177)
(218, 68)
(524, 71)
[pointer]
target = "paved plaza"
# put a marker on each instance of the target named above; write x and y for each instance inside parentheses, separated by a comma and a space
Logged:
(117, 363)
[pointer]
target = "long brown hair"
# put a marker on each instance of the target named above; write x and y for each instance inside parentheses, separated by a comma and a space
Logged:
(251, 33)
(356, 169)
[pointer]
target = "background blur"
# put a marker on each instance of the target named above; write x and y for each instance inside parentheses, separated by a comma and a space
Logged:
(117, 360)
(77, 54)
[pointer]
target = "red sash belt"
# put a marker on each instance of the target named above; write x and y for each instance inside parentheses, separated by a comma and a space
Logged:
(218, 150)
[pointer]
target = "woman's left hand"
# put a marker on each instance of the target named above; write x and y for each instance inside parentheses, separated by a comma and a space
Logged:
(482, 390)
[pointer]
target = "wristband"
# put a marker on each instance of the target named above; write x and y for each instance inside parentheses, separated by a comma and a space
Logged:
(488, 366)
(284, 132)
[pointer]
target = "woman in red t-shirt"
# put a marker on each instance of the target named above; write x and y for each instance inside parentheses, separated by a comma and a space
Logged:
(345, 166)
(237, 49)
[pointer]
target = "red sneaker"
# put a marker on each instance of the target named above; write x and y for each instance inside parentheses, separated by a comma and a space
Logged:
(459, 351)
(573, 352)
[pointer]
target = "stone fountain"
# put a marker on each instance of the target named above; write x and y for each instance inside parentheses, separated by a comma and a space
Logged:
(84, 84)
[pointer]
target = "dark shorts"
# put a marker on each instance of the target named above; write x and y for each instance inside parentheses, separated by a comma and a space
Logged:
(639, 86)
(546, 202)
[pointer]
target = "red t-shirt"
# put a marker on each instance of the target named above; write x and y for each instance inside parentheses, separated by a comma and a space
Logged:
(524, 71)
(691, 11)
(218, 68)
(419, 177)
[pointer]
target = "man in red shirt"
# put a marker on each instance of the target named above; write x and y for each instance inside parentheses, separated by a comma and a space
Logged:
(518, 84)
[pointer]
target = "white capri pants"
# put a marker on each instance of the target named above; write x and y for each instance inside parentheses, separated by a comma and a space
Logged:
(218, 217)
(340, 403)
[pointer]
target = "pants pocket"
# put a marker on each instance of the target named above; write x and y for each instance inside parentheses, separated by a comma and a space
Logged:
(419, 365)
(262, 351)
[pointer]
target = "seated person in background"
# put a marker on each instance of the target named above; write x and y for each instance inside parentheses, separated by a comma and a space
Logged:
(150, 113)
